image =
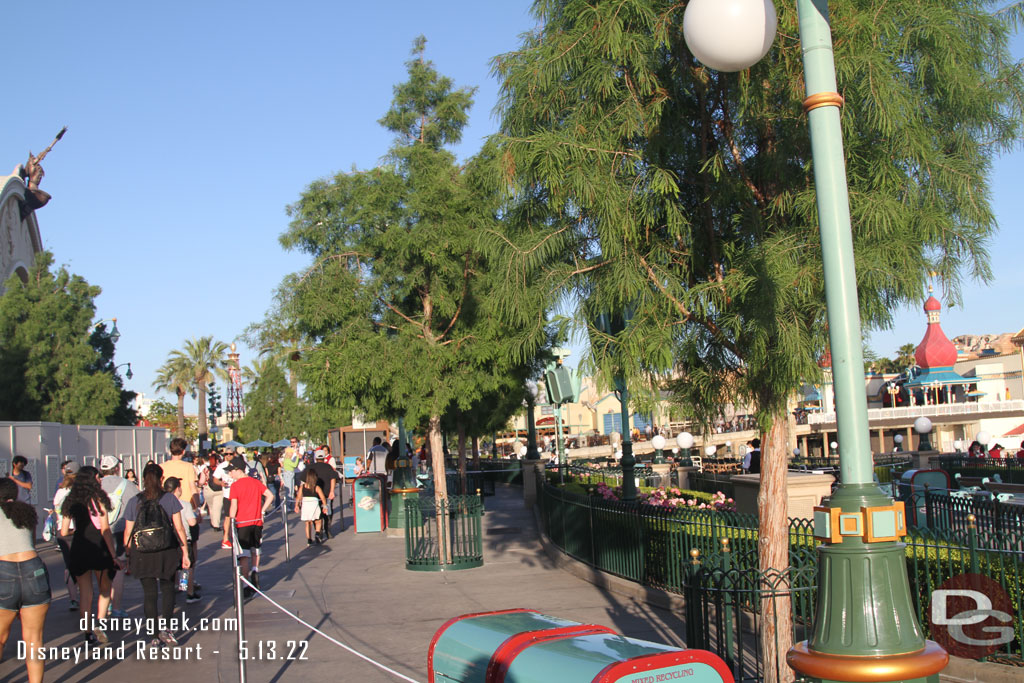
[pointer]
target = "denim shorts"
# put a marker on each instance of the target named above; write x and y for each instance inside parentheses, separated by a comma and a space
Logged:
(23, 584)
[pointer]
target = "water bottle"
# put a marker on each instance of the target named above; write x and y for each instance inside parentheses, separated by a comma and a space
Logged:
(182, 580)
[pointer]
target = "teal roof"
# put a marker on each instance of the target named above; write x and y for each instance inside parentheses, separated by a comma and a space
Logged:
(943, 375)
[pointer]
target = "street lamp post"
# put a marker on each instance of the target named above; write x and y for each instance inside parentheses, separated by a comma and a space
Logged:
(128, 372)
(923, 426)
(685, 442)
(531, 427)
(865, 627)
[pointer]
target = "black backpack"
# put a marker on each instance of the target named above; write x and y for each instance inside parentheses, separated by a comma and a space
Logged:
(153, 530)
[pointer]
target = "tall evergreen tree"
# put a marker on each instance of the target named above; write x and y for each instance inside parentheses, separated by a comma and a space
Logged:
(52, 366)
(272, 411)
(398, 303)
(648, 183)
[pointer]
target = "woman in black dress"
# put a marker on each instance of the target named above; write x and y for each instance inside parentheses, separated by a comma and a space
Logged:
(156, 569)
(92, 546)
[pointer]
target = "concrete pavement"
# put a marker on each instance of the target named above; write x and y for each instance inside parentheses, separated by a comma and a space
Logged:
(356, 589)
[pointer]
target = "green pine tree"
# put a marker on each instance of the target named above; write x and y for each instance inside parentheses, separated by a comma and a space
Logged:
(272, 411)
(398, 306)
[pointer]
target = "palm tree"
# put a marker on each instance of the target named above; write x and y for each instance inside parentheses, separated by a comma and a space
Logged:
(174, 377)
(252, 372)
(206, 360)
(905, 356)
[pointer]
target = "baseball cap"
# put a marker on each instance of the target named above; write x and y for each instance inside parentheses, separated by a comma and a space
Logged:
(321, 454)
(71, 466)
(109, 462)
(236, 463)
(240, 450)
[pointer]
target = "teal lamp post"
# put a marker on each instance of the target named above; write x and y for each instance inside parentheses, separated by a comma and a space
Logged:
(404, 487)
(684, 440)
(532, 392)
(611, 325)
(865, 628)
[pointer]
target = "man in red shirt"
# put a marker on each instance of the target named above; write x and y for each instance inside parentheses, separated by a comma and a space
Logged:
(250, 499)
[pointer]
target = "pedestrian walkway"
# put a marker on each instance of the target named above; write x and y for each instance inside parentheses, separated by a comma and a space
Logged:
(356, 589)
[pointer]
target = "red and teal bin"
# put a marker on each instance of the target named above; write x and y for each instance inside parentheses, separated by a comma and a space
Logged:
(525, 646)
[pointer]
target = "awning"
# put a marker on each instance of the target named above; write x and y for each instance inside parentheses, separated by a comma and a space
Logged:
(1016, 431)
(942, 376)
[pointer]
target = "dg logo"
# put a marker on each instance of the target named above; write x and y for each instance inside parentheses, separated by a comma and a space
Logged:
(971, 616)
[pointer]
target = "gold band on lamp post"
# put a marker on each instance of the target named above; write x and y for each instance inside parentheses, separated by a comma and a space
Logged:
(823, 99)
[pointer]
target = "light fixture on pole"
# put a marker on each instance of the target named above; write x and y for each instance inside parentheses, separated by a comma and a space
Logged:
(923, 426)
(532, 392)
(685, 442)
(128, 372)
(898, 440)
(710, 450)
(983, 438)
(658, 441)
(796, 452)
(862, 565)
(113, 335)
(958, 446)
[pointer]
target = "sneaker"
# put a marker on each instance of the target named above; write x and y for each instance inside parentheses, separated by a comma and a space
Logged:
(73, 605)
(101, 637)
(317, 540)
(90, 638)
(167, 638)
(247, 592)
(119, 613)
(254, 579)
(309, 541)
(193, 598)
(225, 545)
(196, 587)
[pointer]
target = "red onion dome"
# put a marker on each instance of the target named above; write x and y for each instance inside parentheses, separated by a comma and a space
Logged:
(935, 350)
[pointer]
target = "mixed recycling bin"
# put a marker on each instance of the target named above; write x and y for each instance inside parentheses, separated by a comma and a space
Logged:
(911, 490)
(526, 646)
(368, 507)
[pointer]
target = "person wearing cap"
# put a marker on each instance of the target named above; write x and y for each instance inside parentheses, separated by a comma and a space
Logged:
(120, 491)
(250, 500)
(289, 463)
(326, 478)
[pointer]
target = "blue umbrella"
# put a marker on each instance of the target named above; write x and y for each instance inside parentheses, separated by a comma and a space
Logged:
(258, 443)
(283, 443)
(231, 444)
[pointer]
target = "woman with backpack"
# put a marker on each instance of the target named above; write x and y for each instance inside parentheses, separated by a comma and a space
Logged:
(23, 573)
(92, 551)
(154, 537)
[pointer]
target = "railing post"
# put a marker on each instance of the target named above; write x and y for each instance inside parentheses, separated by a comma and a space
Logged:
(972, 542)
(694, 635)
(726, 606)
(239, 604)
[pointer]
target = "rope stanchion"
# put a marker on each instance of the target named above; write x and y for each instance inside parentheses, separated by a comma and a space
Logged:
(239, 602)
(287, 545)
(319, 632)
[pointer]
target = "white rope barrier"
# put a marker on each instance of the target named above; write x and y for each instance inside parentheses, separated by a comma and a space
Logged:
(333, 640)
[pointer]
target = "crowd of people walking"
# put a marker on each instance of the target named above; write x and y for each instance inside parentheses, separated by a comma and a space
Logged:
(109, 524)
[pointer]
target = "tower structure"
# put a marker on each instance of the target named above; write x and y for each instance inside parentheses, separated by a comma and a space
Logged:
(935, 357)
(235, 407)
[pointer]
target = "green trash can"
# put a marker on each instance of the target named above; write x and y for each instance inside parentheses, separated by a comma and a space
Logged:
(367, 505)
(528, 647)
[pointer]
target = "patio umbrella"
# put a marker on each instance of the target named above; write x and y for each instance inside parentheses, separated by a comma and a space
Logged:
(231, 444)
(258, 443)
(283, 443)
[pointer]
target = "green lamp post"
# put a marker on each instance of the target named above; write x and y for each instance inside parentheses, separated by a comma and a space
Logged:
(866, 627)
(532, 392)
(612, 325)
(404, 487)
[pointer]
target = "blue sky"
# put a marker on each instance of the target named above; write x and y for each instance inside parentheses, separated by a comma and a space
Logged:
(193, 125)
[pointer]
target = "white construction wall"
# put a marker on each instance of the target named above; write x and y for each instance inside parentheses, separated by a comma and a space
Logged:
(48, 444)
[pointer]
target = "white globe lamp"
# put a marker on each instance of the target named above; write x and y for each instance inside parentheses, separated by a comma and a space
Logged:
(983, 437)
(710, 449)
(684, 440)
(729, 35)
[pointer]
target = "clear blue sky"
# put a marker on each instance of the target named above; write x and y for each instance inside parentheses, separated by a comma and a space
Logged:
(193, 125)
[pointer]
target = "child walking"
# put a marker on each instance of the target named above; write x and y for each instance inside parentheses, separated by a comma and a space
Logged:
(310, 502)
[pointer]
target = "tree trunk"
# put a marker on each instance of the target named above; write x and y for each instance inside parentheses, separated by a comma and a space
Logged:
(181, 413)
(462, 455)
(773, 556)
(440, 487)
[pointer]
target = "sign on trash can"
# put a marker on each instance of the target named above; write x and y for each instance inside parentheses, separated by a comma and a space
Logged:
(367, 505)
(525, 646)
